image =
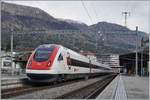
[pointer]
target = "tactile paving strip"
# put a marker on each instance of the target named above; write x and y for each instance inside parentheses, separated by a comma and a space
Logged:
(120, 93)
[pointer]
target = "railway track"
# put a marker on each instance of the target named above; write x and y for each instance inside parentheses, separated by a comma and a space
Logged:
(5, 84)
(25, 87)
(89, 92)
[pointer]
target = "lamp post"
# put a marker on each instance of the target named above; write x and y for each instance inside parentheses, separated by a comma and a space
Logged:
(142, 62)
(12, 68)
(136, 63)
(142, 56)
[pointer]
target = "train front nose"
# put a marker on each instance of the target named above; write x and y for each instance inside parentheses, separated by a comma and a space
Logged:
(41, 59)
(39, 67)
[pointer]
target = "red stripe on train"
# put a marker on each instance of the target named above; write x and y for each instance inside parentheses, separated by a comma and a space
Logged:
(53, 56)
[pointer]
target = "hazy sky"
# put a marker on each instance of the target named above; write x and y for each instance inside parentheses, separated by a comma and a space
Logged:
(110, 11)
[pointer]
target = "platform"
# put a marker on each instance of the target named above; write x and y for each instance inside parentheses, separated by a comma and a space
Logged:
(126, 87)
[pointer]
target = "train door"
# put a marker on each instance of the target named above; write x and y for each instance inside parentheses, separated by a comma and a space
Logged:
(61, 63)
(68, 62)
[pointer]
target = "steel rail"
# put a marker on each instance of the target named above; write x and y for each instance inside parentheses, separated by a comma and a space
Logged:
(90, 91)
(27, 88)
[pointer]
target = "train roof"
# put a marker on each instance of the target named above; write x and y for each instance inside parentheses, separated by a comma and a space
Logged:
(106, 66)
(57, 45)
(49, 45)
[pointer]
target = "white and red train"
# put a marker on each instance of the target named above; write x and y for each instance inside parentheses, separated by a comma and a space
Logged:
(54, 62)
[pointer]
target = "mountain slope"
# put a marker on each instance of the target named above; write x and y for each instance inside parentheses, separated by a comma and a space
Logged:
(112, 38)
(29, 18)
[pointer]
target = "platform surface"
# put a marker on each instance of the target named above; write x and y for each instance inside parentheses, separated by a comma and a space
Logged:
(126, 88)
(136, 87)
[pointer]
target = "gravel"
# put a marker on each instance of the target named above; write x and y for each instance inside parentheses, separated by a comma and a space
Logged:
(57, 91)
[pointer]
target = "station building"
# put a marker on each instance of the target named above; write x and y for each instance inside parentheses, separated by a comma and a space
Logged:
(112, 60)
(128, 61)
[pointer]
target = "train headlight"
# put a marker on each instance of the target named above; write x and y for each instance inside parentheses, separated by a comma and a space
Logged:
(49, 63)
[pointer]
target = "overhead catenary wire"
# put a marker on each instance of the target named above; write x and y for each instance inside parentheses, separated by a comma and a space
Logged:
(97, 18)
(87, 11)
(96, 15)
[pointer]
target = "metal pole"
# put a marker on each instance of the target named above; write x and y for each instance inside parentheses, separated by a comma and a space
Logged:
(90, 64)
(142, 56)
(141, 63)
(12, 68)
(136, 63)
(125, 21)
(96, 42)
(0, 45)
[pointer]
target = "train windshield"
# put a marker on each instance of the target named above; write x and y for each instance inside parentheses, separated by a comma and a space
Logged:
(43, 54)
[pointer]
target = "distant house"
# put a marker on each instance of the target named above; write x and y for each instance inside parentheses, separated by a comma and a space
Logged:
(6, 62)
(90, 55)
(18, 64)
(112, 60)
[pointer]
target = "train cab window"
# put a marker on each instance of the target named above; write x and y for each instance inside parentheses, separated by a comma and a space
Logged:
(60, 57)
(42, 54)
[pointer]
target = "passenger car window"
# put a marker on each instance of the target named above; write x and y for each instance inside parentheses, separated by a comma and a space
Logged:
(60, 57)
